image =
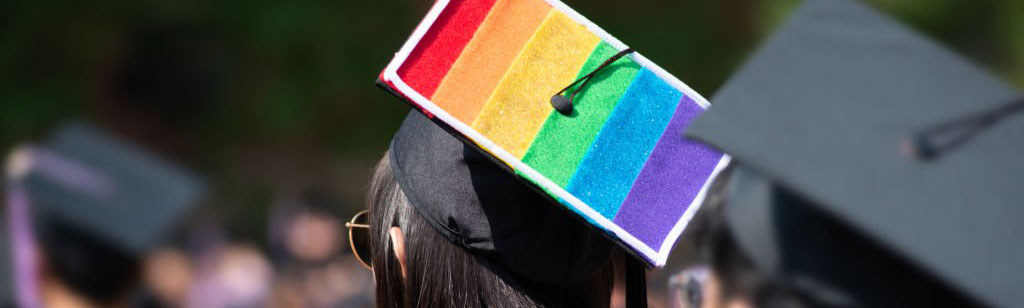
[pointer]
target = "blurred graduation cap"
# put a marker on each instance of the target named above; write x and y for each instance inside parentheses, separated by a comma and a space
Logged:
(84, 179)
(827, 196)
(566, 108)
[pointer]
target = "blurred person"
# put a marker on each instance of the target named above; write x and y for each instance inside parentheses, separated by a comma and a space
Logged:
(312, 236)
(232, 276)
(871, 168)
(244, 275)
(85, 209)
(340, 283)
(287, 293)
(502, 245)
(685, 287)
(312, 271)
(168, 275)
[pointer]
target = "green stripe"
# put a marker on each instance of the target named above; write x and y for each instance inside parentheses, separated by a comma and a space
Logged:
(559, 147)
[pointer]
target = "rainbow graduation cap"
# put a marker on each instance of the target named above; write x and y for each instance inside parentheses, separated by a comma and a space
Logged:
(487, 69)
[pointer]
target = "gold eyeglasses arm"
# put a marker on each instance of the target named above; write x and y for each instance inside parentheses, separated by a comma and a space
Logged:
(352, 225)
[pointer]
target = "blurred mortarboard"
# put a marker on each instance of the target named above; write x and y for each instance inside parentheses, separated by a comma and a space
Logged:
(568, 108)
(816, 119)
(87, 181)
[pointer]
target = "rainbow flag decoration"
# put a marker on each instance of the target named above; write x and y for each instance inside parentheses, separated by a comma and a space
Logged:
(487, 69)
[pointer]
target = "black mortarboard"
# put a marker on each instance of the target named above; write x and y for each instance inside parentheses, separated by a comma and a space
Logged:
(88, 183)
(816, 119)
(476, 204)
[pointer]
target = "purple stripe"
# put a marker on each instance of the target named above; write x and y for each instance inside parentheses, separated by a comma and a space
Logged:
(670, 180)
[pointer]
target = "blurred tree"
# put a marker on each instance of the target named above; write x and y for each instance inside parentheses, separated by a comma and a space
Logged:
(258, 94)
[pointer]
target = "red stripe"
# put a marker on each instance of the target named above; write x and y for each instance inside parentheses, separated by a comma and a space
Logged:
(437, 51)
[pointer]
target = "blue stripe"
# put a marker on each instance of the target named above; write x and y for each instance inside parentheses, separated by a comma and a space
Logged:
(614, 160)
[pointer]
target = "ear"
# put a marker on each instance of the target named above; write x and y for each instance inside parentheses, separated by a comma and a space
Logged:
(398, 243)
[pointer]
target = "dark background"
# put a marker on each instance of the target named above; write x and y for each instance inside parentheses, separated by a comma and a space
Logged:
(274, 100)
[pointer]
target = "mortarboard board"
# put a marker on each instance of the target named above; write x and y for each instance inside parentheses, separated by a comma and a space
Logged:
(819, 114)
(608, 149)
(84, 180)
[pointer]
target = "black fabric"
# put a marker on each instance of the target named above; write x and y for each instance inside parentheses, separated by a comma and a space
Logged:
(481, 206)
(821, 110)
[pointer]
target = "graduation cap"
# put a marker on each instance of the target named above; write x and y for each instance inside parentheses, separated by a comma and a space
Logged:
(827, 198)
(91, 194)
(107, 188)
(565, 107)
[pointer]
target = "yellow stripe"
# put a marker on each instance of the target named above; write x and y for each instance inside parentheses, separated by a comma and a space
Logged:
(477, 71)
(521, 102)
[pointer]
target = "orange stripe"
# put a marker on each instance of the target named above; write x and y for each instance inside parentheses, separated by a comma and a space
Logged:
(487, 57)
(521, 103)
(442, 44)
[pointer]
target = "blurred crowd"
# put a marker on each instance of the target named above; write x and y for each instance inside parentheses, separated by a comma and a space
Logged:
(307, 264)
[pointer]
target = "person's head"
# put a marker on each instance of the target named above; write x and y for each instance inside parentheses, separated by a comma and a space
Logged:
(95, 205)
(450, 227)
(835, 267)
(415, 266)
(100, 273)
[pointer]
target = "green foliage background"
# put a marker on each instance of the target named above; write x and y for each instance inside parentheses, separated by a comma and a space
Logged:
(291, 104)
